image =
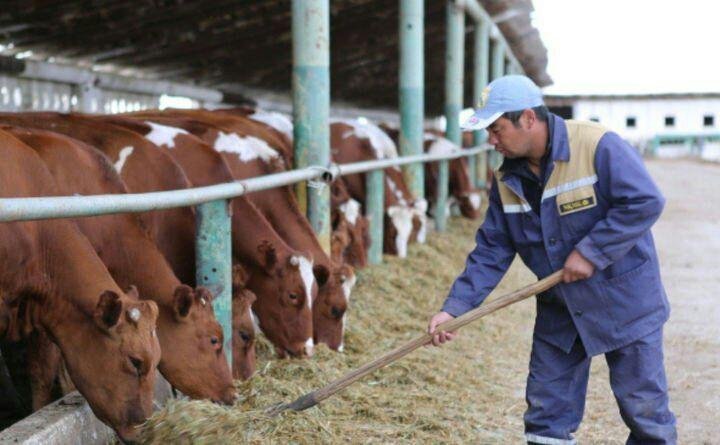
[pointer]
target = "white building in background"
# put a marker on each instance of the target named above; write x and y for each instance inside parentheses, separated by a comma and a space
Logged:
(668, 125)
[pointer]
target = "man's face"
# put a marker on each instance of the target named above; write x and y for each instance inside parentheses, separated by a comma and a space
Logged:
(509, 140)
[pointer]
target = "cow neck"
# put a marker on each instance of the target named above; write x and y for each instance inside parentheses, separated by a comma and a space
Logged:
(123, 246)
(280, 207)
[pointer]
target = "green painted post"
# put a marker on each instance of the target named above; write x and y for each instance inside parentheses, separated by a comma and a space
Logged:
(480, 80)
(375, 212)
(497, 70)
(411, 91)
(214, 262)
(454, 58)
(311, 106)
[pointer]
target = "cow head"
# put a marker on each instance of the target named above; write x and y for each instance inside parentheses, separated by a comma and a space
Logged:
(398, 228)
(192, 342)
(469, 202)
(334, 285)
(112, 358)
(358, 236)
(285, 289)
(461, 187)
(243, 342)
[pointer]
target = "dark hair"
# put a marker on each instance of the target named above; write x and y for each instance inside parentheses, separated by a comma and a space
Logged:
(541, 112)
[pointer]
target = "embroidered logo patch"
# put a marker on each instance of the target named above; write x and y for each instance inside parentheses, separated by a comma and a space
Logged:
(484, 97)
(577, 205)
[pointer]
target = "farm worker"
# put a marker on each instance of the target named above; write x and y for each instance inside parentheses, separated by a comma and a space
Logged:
(573, 196)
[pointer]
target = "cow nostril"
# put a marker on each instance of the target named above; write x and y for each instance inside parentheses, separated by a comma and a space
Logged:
(337, 312)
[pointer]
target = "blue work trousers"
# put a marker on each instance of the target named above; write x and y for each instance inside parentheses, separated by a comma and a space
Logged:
(557, 384)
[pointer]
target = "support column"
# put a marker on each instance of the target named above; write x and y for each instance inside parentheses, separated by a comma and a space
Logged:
(497, 68)
(454, 58)
(214, 262)
(311, 106)
(481, 71)
(412, 67)
(89, 98)
(375, 213)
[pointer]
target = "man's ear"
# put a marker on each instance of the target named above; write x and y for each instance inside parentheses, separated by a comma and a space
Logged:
(528, 118)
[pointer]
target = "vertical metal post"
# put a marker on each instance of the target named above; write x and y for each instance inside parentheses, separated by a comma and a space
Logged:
(375, 212)
(497, 70)
(454, 58)
(480, 80)
(214, 262)
(89, 98)
(311, 106)
(411, 91)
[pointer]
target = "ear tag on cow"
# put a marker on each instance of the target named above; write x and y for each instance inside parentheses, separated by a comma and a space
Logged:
(203, 301)
(134, 314)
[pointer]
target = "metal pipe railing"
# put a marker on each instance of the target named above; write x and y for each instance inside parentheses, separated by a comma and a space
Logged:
(47, 207)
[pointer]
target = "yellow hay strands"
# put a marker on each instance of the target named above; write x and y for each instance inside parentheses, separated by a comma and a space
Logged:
(469, 391)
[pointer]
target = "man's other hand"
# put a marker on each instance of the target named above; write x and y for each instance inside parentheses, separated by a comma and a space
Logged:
(440, 337)
(577, 268)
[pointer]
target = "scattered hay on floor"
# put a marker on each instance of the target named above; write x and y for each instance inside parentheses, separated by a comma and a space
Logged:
(464, 392)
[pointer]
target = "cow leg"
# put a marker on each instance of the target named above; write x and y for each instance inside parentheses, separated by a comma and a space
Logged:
(43, 361)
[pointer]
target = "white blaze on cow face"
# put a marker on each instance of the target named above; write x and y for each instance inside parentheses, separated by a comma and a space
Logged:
(475, 199)
(420, 206)
(306, 273)
(255, 321)
(163, 135)
(309, 347)
(351, 210)
(125, 153)
(247, 148)
(401, 218)
(347, 286)
(395, 191)
(278, 121)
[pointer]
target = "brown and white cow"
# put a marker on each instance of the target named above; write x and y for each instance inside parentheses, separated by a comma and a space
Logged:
(461, 191)
(249, 156)
(190, 336)
(244, 325)
(355, 140)
(52, 280)
(281, 277)
(350, 238)
(462, 194)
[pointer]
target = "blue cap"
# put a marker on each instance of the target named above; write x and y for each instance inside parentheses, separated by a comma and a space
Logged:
(507, 93)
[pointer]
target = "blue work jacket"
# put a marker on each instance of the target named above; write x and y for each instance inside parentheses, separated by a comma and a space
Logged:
(599, 199)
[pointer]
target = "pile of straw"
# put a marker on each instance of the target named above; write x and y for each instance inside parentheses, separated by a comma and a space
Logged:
(468, 391)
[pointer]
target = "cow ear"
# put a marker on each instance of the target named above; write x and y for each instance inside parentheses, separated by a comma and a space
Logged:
(322, 274)
(108, 310)
(268, 256)
(239, 277)
(182, 301)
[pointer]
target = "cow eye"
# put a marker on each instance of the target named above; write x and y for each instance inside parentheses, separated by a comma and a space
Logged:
(137, 364)
(293, 296)
(245, 336)
(214, 340)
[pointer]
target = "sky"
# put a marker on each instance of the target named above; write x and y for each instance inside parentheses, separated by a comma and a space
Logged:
(630, 46)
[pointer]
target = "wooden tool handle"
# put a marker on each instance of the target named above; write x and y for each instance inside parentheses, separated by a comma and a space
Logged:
(313, 398)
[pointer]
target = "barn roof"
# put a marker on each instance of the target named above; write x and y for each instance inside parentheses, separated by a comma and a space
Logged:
(242, 47)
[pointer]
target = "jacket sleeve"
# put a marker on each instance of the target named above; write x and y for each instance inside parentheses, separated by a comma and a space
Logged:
(635, 202)
(486, 264)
